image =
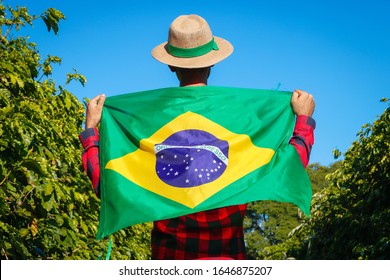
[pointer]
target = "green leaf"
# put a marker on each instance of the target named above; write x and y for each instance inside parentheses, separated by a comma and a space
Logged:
(5, 110)
(48, 188)
(32, 165)
(23, 232)
(68, 102)
(48, 203)
(51, 18)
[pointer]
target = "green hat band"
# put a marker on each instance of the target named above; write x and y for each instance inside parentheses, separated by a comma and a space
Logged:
(193, 52)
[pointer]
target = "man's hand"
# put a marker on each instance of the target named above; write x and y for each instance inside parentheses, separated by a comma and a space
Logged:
(302, 103)
(94, 111)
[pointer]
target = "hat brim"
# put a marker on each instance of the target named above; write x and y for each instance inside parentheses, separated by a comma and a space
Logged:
(225, 49)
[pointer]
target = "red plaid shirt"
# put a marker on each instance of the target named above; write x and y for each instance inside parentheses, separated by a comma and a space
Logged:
(216, 233)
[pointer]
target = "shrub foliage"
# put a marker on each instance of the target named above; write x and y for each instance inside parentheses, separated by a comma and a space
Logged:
(47, 207)
(350, 218)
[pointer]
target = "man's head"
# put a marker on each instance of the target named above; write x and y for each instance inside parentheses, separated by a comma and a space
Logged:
(191, 44)
(191, 76)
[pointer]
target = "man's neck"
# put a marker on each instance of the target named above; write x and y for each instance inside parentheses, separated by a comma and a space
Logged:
(192, 77)
(192, 84)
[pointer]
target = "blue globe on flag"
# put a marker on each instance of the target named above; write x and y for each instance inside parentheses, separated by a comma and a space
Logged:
(191, 158)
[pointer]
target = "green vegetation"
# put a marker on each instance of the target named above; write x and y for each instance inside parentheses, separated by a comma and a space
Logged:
(47, 207)
(350, 216)
(269, 223)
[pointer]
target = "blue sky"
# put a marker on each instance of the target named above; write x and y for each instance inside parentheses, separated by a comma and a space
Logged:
(336, 50)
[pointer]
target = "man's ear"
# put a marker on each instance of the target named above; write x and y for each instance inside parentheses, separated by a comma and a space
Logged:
(172, 68)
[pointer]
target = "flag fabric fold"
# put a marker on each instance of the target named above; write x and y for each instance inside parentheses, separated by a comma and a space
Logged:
(175, 151)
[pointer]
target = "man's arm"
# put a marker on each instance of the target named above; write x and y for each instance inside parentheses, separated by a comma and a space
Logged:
(90, 140)
(303, 136)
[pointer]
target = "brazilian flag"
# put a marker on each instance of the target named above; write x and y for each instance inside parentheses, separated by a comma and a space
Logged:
(175, 151)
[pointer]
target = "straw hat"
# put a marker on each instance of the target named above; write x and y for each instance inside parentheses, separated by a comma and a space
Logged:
(191, 44)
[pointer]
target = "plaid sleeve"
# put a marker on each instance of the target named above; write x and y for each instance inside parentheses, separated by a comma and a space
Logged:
(90, 157)
(303, 137)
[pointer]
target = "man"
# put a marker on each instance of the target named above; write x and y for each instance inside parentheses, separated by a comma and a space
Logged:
(190, 52)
